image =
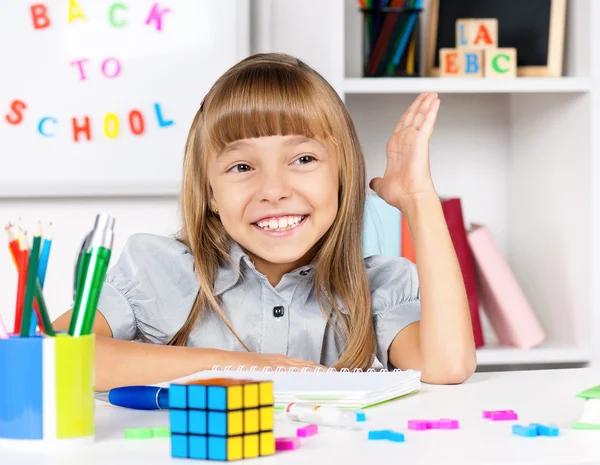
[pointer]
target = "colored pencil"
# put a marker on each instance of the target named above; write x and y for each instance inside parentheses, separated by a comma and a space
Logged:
(21, 284)
(3, 332)
(44, 256)
(13, 243)
(32, 268)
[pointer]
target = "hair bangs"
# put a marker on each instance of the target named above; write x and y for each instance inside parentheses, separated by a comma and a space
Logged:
(266, 101)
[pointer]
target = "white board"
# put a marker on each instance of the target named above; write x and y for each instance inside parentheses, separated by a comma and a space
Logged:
(124, 58)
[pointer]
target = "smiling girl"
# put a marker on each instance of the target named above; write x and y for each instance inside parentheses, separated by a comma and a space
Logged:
(268, 269)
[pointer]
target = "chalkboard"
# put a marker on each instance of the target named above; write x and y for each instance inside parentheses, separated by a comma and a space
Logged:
(534, 27)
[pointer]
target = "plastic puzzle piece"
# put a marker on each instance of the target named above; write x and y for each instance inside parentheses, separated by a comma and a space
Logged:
(377, 435)
(179, 446)
(307, 431)
(161, 432)
(525, 431)
(444, 423)
(546, 430)
(286, 443)
(419, 425)
(360, 417)
(500, 415)
(138, 433)
(394, 436)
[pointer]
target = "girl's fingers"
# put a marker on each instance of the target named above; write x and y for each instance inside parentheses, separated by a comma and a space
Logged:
(423, 110)
(409, 114)
(430, 117)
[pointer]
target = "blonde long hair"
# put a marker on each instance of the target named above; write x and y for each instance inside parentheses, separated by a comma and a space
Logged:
(266, 95)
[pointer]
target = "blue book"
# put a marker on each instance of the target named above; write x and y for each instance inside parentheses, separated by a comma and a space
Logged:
(381, 228)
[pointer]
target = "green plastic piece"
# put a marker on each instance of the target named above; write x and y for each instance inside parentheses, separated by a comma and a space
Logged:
(591, 393)
(161, 432)
(579, 425)
(138, 433)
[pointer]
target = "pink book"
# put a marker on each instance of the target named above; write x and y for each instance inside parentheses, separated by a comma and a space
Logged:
(500, 295)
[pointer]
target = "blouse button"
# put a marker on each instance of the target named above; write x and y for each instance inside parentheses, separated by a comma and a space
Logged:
(303, 272)
(278, 311)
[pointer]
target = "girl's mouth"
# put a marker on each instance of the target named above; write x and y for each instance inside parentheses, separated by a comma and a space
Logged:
(281, 223)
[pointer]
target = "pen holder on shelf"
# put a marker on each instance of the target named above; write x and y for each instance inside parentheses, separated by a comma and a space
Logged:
(391, 45)
(47, 390)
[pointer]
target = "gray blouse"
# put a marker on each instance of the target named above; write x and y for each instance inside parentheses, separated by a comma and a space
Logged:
(150, 290)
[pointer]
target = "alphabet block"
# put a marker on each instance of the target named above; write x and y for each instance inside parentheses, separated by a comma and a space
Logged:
(500, 62)
(477, 33)
(461, 63)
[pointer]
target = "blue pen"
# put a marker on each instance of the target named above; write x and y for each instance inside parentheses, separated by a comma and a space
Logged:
(407, 32)
(137, 397)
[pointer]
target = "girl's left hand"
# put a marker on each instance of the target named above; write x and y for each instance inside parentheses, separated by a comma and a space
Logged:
(407, 175)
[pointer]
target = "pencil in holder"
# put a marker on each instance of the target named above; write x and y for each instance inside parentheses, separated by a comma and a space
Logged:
(391, 45)
(47, 390)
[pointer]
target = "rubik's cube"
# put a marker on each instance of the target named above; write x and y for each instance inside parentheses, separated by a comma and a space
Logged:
(222, 419)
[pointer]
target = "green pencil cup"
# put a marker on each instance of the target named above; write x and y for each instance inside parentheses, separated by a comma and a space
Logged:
(390, 40)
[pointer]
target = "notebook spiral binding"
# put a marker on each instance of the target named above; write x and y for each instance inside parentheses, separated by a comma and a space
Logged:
(303, 370)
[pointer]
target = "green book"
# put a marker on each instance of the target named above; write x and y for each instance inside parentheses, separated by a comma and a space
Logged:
(590, 419)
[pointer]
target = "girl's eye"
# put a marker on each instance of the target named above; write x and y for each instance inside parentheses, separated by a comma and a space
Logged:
(240, 168)
(304, 159)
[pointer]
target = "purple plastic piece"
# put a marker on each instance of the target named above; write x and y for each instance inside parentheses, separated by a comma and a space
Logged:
(445, 423)
(487, 414)
(307, 431)
(419, 425)
(287, 443)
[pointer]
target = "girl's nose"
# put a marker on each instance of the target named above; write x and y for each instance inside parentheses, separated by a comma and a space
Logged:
(273, 187)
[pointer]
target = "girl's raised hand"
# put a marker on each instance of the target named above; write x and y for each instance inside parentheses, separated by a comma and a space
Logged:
(408, 175)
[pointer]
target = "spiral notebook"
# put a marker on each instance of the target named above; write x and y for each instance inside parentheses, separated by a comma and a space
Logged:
(344, 389)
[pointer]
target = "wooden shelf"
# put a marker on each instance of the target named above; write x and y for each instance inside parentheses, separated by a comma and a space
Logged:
(465, 85)
(546, 354)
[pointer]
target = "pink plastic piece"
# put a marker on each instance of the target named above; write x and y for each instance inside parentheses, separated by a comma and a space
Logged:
(487, 414)
(502, 415)
(419, 425)
(287, 443)
(445, 423)
(307, 431)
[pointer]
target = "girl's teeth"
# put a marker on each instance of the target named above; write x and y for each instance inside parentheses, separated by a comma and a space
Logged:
(285, 222)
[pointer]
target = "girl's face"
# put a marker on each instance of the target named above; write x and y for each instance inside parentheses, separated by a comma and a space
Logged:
(276, 196)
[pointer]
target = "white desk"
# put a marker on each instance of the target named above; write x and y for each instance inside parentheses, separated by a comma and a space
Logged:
(537, 396)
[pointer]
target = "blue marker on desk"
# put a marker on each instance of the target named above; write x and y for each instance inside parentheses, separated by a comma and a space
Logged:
(138, 397)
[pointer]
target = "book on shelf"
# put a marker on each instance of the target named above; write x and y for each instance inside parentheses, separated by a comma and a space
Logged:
(453, 213)
(502, 299)
(381, 228)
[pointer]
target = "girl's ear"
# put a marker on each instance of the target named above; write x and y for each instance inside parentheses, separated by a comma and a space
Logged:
(212, 203)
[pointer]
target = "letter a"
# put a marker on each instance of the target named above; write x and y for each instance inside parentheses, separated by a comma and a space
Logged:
(75, 11)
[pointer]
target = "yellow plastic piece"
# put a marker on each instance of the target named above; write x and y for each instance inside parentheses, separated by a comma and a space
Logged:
(235, 397)
(235, 422)
(251, 424)
(234, 448)
(251, 395)
(267, 443)
(250, 446)
(267, 418)
(74, 386)
(266, 393)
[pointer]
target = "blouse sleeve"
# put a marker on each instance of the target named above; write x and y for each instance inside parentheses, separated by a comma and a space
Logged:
(395, 299)
(150, 290)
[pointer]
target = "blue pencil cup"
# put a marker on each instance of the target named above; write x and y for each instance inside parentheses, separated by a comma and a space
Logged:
(391, 45)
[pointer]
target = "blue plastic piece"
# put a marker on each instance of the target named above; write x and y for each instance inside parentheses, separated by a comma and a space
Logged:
(198, 447)
(197, 421)
(217, 448)
(217, 398)
(178, 421)
(395, 436)
(217, 423)
(197, 396)
(179, 446)
(378, 434)
(178, 396)
(360, 416)
(21, 397)
(525, 431)
(545, 430)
